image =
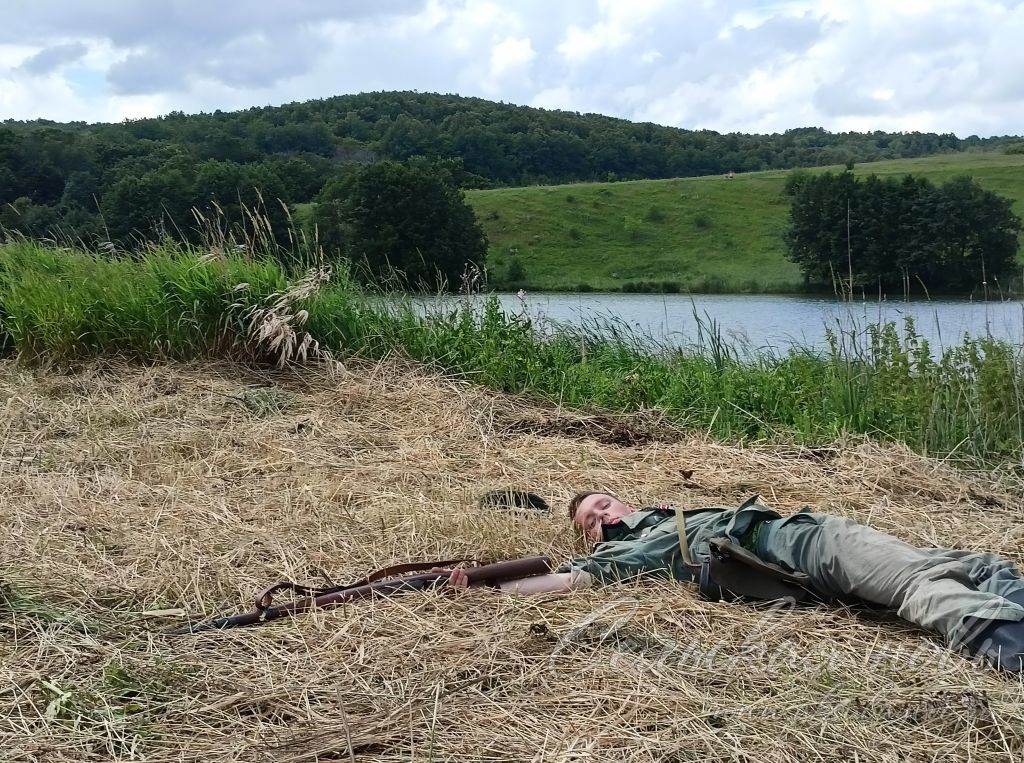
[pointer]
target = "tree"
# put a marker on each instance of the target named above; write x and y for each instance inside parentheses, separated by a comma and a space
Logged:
(888, 232)
(816, 238)
(407, 223)
(977, 233)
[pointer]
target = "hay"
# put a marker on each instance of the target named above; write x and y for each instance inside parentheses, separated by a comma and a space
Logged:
(131, 495)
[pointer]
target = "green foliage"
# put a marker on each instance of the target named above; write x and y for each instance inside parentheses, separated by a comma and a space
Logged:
(406, 224)
(655, 214)
(146, 175)
(515, 273)
(702, 221)
(172, 303)
(795, 179)
(633, 226)
(652, 287)
(887, 232)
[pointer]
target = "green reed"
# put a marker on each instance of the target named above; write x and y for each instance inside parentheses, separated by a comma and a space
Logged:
(178, 303)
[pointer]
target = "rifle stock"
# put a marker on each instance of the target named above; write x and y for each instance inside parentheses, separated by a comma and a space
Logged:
(499, 572)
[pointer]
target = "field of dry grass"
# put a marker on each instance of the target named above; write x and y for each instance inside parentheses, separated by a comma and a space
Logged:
(133, 499)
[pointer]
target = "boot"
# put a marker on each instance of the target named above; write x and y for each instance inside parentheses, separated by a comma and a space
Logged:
(1001, 642)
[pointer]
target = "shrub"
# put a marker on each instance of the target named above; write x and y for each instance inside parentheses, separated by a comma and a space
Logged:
(795, 179)
(633, 226)
(515, 272)
(640, 287)
(655, 214)
(702, 221)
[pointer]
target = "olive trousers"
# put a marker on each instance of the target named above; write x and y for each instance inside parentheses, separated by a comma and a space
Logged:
(953, 593)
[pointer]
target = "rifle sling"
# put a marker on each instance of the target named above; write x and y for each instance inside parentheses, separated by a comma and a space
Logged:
(265, 598)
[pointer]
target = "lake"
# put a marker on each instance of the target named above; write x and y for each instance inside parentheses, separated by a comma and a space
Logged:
(753, 322)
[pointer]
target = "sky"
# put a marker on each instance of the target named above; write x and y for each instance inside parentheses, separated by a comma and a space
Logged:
(757, 66)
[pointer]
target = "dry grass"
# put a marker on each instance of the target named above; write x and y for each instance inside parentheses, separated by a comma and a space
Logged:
(127, 490)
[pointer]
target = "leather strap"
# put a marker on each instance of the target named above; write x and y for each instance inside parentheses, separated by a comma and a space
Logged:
(265, 597)
(733, 572)
(684, 545)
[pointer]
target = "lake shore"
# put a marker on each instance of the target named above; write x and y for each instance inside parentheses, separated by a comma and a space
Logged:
(753, 323)
(883, 378)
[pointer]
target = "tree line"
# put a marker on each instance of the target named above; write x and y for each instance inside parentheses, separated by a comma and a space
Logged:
(144, 178)
(904, 234)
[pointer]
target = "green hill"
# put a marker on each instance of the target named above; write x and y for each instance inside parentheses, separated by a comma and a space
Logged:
(142, 180)
(698, 234)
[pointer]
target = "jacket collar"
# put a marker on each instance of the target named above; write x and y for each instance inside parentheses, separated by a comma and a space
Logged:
(636, 518)
(630, 525)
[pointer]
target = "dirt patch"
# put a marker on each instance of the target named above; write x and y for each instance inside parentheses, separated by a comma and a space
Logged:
(606, 430)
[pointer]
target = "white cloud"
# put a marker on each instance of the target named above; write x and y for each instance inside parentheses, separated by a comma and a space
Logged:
(944, 65)
(618, 25)
(580, 44)
(510, 54)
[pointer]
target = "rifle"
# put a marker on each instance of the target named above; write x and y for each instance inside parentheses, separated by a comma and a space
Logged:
(380, 583)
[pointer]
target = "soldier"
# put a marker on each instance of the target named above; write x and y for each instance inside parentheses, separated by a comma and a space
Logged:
(974, 600)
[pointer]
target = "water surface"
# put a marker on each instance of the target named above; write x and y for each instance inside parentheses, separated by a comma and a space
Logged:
(753, 322)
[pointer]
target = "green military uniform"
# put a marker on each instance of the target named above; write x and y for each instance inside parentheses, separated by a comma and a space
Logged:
(950, 592)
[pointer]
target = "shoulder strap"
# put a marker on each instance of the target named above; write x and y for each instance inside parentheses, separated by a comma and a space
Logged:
(732, 571)
(684, 545)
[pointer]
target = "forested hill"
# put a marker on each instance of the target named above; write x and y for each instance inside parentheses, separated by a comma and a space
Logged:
(499, 143)
(140, 172)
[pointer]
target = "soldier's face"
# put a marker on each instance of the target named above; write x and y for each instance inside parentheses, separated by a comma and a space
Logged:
(597, 510)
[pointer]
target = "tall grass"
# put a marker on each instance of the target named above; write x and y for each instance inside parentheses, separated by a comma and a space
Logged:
(177, 303)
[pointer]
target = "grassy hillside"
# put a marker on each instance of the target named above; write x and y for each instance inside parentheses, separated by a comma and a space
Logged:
(700, 234)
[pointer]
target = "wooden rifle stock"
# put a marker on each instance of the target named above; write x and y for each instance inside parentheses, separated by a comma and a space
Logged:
(373, 585)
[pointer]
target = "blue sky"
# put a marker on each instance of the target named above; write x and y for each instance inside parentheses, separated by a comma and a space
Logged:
(930, 65)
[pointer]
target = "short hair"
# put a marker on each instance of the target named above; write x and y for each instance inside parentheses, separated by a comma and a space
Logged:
(576, 500)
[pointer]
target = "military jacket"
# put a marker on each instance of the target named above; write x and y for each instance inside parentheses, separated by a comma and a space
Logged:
(646, 542)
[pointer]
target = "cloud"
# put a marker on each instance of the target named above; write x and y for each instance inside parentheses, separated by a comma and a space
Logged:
(946, 65)
(510, 54)
(54, 57)
(169, 44)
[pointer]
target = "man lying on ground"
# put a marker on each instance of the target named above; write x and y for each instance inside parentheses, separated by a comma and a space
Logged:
(974, 600)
